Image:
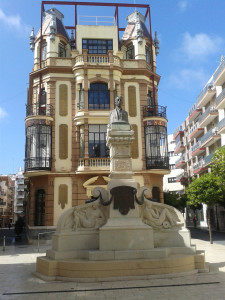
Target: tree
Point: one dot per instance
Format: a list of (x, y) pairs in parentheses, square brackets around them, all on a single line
[(175, 200), (218, 165), (207, 190)]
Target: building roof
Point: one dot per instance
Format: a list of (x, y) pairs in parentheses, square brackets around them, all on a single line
[(53, 16)]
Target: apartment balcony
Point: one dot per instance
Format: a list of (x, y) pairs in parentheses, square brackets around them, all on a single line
[(34, 110), (154, 111), (220, 100), (211, 137), (101, 164), (38, 163), (208, 116), (194, 112), (179, 130), (219, 75), (199, 167), (2, 203), (180, 163), (208, 159), (196, 149), (179, 148), (195, 131), (206, 95), (182, 178), (221, 126)]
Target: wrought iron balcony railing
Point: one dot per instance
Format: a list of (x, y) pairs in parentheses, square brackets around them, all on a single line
[(37, 110), (154, 111), (38, 163), (157, 162)]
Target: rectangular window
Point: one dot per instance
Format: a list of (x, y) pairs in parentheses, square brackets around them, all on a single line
[(97, 141), (62, 50), (44, 51), (148, 54), (171, 179), (130, 52), (95, 46)]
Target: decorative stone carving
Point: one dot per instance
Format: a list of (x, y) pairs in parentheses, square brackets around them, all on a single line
[(161, 216), (122, 165), (91, 217)]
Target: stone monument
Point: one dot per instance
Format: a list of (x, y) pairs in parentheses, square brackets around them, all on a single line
[(119, 231)]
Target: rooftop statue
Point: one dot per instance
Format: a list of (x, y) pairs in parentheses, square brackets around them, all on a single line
[(118, 115)]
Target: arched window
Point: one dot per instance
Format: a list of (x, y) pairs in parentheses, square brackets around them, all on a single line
[(40, 208), (98, 96)]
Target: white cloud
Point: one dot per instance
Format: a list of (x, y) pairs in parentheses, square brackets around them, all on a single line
[(199, 46), (2, 113), (187, 78), (13, 22), (182, 5)]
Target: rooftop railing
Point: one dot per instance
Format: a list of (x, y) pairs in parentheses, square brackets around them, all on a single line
[(219, 70)]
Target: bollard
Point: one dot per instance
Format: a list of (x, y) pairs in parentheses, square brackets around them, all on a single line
[(4, 243)]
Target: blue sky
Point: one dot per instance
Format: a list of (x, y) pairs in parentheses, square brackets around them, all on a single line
[(192, 40)]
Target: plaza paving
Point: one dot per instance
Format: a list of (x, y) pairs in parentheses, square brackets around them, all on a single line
[(17, 265)]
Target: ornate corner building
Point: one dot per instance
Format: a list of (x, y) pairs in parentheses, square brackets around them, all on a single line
[(78, 71)]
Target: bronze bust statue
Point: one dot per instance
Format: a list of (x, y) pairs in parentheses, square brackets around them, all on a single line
[(118, 115)]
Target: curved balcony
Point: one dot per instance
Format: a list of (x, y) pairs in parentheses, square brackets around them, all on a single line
[(154, 111), (37, 163), (36, 110), (157, 162)]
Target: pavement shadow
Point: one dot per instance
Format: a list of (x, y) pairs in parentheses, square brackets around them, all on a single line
[(202, 234)]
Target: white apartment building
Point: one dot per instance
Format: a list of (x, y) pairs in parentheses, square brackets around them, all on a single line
[(19, 194), (171, 182), (201, 133)]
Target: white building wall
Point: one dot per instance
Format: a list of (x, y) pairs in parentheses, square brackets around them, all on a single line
[(169, 181)]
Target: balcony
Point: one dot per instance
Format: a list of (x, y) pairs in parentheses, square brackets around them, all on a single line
[(38, 163), (154, 111), (199, 168), (157, 162), (221, 126), (194, 112), (182, 178), (179, 148), (206, 95), (180, 162), (219, 75), (94, 164), (208, 159), (220, 100), (97, 59), (208, 116), (179, 130), (210, 137), (195, 131), (196, 149), (36, 110)]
